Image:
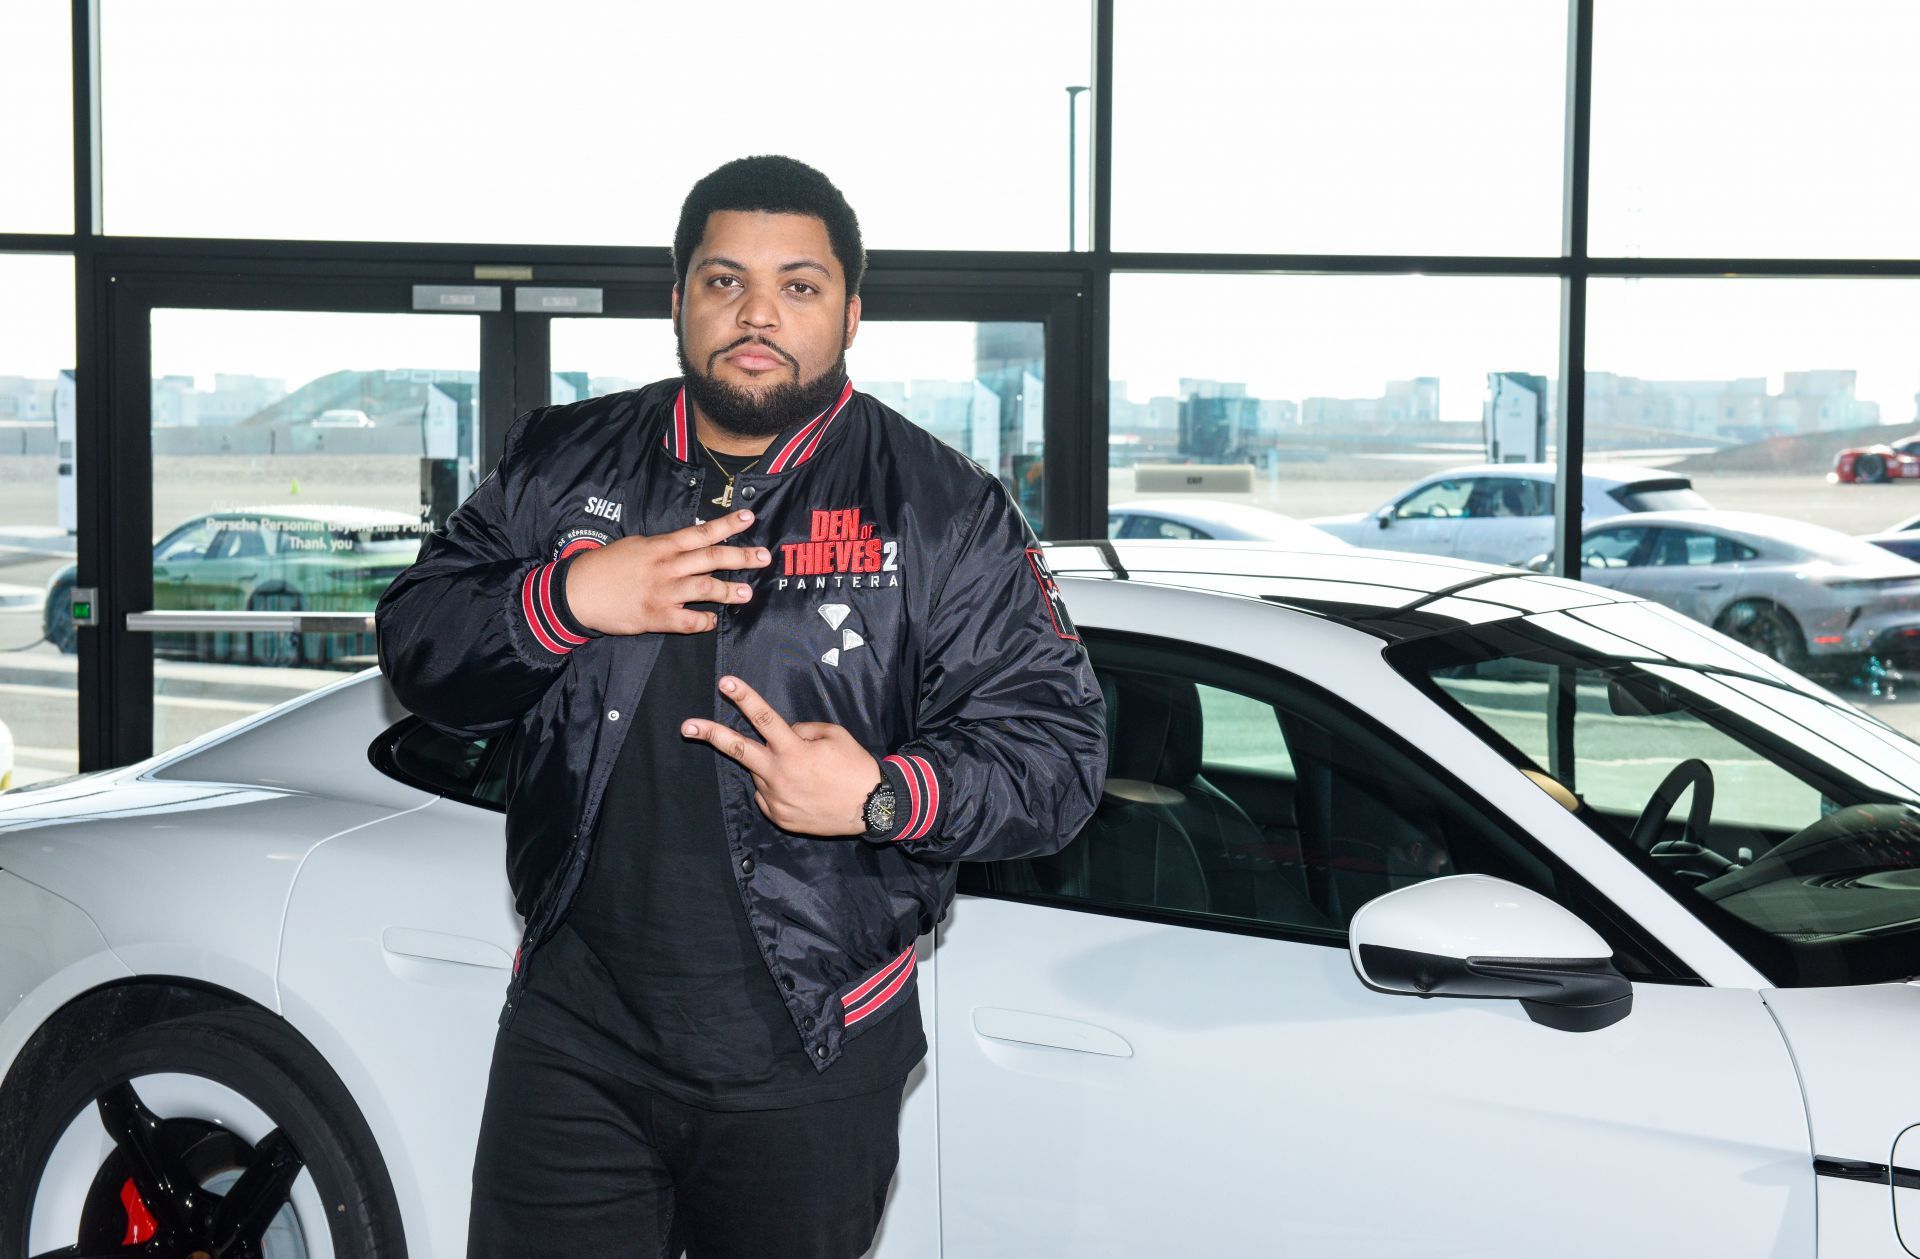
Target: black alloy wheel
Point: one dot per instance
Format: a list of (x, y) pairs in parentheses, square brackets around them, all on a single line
[(1870, 469), (1767, 629), (215, 1136)]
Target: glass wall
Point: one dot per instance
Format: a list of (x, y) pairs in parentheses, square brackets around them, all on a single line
[(1362, 405), (39, 732), (36, 116), (297, 456), (1339, 126), (366, 120), (1736, 129)]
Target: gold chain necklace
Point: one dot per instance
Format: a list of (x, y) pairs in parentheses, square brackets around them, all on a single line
[(726, 495)]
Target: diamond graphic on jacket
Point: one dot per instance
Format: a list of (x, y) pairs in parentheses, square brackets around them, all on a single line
[(850, 640), (834, 613), (832, 657)]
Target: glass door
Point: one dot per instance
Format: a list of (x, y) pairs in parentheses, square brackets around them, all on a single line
[(280, 461)]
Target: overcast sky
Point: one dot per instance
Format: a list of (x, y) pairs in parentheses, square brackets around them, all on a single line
[(1722, 128)]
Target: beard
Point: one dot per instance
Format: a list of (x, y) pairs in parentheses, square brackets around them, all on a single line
[(771, 411)]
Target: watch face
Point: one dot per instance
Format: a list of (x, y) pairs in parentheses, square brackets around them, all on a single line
[(880, 812)]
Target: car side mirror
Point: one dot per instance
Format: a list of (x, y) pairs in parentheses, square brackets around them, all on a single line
[(1384, 516), (1475, 936)]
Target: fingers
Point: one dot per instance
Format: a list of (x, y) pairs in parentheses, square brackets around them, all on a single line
[(771, 725), (710, 590), (731, 743), (723, 559), (710, 532), (688, 621)]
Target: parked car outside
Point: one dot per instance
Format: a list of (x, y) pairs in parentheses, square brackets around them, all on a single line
[(1178, 519), (1801, 594), (1502, 513), (6, 757), (1389, 861), (1878, 464), (281, 558), (1905, 544)]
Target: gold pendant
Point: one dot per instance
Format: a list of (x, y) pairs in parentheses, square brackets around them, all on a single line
[(726, 497)]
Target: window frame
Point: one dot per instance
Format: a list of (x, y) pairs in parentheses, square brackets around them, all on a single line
[(1248, 676)]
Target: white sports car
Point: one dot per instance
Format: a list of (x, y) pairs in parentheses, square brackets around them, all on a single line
[(1431, 909)]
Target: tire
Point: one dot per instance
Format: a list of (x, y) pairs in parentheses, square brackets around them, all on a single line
[(1870, 469), (1767, 629), (276, 650), (229, 1099), (56, 619)]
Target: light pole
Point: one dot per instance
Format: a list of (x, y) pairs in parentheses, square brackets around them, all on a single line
[(1073, 166)]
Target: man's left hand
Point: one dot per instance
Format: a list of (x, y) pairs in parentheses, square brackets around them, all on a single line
[(811, 778)]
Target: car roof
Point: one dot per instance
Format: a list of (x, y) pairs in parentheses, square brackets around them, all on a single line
[(1609, 474), (1388, 593), (1750, 525), (341, 514)]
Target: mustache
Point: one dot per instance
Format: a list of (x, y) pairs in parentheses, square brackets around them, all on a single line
[(792, 362)]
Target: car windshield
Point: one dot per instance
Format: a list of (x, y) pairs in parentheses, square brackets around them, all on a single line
[(1784, 818), (1677, 494)]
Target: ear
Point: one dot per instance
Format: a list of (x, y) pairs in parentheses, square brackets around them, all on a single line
[(853, 322), (676, 306)]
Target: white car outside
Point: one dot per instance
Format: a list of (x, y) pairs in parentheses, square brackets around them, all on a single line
[(1340, 783), (1502, 513), (1201, 519), (1797, 592)]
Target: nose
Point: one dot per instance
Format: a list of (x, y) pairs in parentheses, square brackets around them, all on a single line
[(759, 311)]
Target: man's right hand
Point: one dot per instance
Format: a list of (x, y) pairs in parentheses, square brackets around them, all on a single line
[(642, 585)]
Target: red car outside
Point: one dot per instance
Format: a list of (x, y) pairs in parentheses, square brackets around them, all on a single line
[(1869, 465)]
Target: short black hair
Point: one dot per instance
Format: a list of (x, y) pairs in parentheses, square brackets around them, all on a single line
[(772, 185)]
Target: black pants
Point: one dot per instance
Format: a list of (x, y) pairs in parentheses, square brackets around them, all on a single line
[(573, 1161)]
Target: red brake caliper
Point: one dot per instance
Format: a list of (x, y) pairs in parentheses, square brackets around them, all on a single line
[(140, 1222)]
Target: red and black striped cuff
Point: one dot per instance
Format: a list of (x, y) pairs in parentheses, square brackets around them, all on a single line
[(543, 601), (916, 795), (873, 992)]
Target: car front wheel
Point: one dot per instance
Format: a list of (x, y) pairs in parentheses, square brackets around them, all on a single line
[(220, 1134)]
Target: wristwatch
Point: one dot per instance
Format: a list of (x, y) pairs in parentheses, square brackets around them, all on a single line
[(878, 811)]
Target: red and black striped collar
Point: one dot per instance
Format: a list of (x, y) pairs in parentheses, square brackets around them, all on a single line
[(788, 451)]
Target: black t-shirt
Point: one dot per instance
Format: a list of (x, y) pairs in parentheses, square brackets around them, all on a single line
[(654, 974)]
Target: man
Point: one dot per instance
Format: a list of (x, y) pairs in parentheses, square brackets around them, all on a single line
[(774, 659)]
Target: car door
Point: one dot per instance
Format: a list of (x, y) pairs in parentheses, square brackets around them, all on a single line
[(1154, 1043), (1608, 555), (398, 946), (1506, 520), (1426, 519), (1691, 571)]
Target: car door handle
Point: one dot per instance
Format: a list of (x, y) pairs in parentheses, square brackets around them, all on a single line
[(1706, 585), (439, 946), (1044, 1029)]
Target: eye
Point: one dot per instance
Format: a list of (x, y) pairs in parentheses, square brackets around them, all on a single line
[(801, 286), (722, 281)]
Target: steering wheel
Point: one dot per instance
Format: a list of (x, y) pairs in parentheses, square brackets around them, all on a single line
[(1692, 772)]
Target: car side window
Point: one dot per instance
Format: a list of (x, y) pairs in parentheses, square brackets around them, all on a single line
[(420, 755), (1245, 796), (1443, 500), (1612, 548), (189, 543), (1677, 547), (1508, 496), (237, 543), (1159, 527)]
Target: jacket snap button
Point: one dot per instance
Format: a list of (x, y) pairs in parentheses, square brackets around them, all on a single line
[(788, 981), (747, 492), (806, 1024), (746, 865), (819, 1051), (613, 714)]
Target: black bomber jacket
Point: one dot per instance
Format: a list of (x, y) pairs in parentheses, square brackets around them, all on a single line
[(907, 601)]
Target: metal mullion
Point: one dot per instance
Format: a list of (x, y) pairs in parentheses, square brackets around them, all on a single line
[(1096, 328), (1569, 483), (36, 243), (1333, 264)]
